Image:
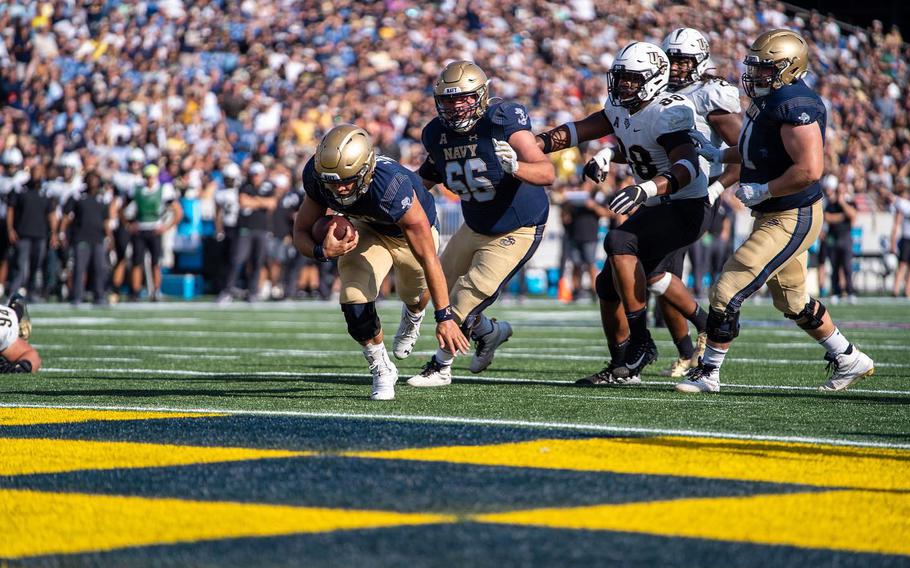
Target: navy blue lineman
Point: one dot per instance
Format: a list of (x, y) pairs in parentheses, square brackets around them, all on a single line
[(781, 150), (484, 152), (394, 220)]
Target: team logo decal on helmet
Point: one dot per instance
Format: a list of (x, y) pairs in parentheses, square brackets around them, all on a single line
[(639, 73)]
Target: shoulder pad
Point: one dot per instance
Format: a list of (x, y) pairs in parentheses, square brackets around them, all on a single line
[(800, 107), (676, 117), (720, 95), (507, 113)]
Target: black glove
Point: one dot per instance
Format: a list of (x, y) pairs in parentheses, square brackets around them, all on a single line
[(21, 366), (627, 199)]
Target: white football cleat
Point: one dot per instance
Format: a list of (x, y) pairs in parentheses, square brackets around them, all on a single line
[(679, 368), (847, 368), (433, 374), (385, 375), (703, 378), (486, 345), (408, 332)]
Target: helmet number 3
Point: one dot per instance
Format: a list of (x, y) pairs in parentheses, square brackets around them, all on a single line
[(464, 180)]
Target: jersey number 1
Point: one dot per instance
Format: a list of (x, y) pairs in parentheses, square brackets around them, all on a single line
[(463, 180)]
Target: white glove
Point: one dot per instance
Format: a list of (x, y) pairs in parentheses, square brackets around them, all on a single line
[(705, 148), (752, 194), (506, 155), (714, 191), (598, 167)]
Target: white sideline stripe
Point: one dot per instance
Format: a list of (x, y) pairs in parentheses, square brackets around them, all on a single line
[(119, 359), (512, 354), (471, 378), (482, 422), (184, 356)]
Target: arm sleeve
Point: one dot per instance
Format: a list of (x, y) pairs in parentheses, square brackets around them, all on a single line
[(511, 117)]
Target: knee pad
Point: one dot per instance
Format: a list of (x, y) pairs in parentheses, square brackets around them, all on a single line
[(620, 242), (604, 287), (659, 286), (811, 316), (723, 327), (362, 319)]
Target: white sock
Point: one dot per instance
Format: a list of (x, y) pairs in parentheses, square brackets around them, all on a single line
[(443, 357), (714, 356), (375, 352), (835, 343), (414, 317), (483, 327)]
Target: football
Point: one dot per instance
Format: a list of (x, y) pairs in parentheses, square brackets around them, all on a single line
[(321, 227)]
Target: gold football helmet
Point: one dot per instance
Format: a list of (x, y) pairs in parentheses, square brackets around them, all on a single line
[(775, 59), (462, 95), (345, 160)]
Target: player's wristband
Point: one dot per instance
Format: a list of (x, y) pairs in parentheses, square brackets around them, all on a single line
[(319, 254), (445, 314), (649, 187), (673, 182)]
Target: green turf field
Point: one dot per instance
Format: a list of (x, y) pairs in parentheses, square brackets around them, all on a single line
[(186, 434)]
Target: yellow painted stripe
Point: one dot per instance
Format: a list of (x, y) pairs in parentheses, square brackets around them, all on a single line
[(22, 456), (858, 521), (31, 416), (823, 466), (35, 523)]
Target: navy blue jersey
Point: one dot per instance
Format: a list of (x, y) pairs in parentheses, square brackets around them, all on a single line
[(493, 201), (388, 198), (763, 151)]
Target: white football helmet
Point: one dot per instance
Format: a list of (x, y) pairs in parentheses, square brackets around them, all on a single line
[(646, 70), (688, 43)]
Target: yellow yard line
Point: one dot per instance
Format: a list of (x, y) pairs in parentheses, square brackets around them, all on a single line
[(29, 416), (857, 521), (23, 456), (38, 523), (818, 465)]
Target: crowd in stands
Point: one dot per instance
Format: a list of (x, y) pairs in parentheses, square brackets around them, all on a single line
[(103, 89)]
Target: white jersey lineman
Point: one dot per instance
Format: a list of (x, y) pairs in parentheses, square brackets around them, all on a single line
[(9, 327), (638, 136), (711, 95)]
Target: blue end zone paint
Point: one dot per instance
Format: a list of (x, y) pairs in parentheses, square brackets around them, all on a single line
[(404, 486), (472, 545), (283, 432)]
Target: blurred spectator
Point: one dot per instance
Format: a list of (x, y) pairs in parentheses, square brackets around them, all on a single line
[(900, 243), (87, 214), (840, 213), (193, 86), (257, 199), (30, 220)]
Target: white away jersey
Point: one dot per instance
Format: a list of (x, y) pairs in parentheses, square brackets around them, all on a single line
[(709, 96), (638, 133), (9, 327)]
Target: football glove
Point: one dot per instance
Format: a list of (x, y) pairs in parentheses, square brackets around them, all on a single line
[(21, 366), (705, 148), (506, 155), (714, 191), (751, 194), (598, 167), (627, 199)]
